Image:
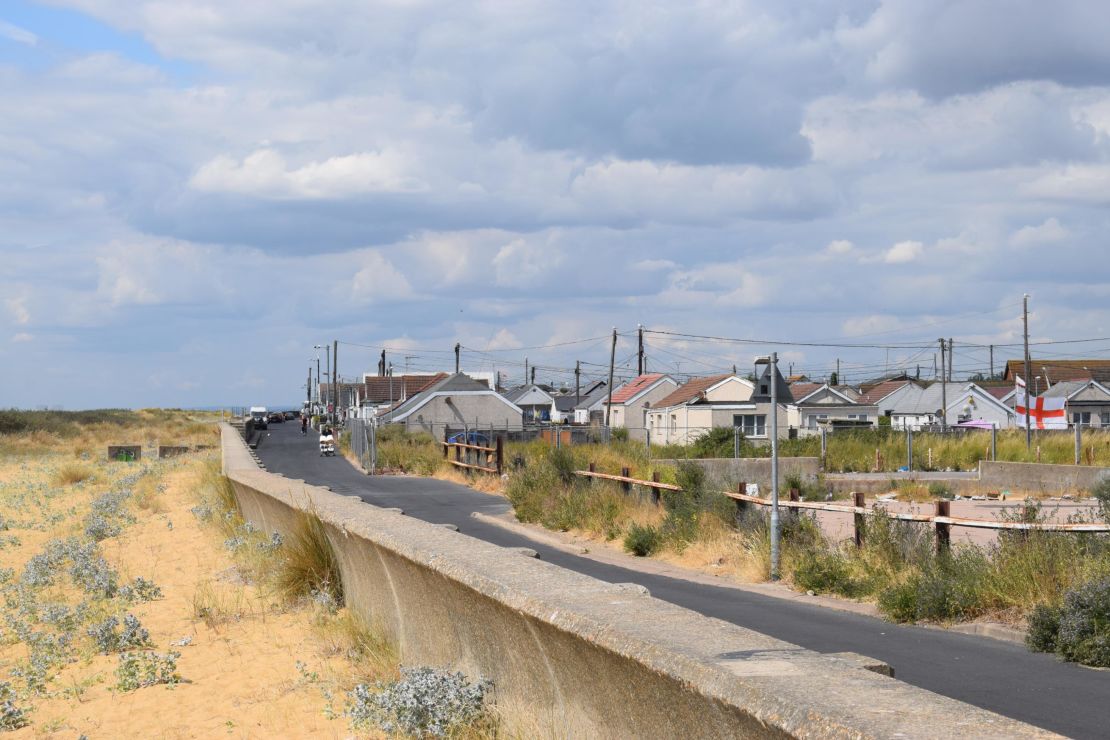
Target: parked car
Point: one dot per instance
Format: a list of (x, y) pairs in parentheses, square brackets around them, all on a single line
[(290, 415), (469, 438), (259, 416), (277, 418)]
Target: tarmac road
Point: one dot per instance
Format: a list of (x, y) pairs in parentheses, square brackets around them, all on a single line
[(1003, 677)]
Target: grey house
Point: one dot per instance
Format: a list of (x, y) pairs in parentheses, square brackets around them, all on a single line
[(455, 403), (534, 400)]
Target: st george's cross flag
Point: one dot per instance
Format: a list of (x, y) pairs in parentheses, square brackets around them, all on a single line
[(1044, 413)]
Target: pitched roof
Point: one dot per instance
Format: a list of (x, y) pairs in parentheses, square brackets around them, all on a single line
[(801, 390), (382, 389), (689, 391), (630, 389), (1060, 370), (457, 383), (876, 393)]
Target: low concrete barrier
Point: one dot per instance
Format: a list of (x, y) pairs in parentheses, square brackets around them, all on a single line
[(755, 469), (577, 657), (165, 451), (1039, 477)]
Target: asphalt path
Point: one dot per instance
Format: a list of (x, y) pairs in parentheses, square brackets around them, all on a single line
[(1000, 676)]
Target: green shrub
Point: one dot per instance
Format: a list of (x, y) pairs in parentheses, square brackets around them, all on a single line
[(1044, 625), (619, 434), (827, 572), (642, 540), (717, 442), (940, 490), (946, 589), (1084, 633), (1101, 492)]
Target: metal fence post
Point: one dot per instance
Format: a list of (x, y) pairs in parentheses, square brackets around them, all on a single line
[(824, 445), (858, 521), (909, 449), (994, 443), (500, 455), (1078, 441), (625, 485), (654, 490), (736, 443), (944, 534)]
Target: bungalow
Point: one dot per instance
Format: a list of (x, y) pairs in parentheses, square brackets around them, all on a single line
[(730, 401), (915, 407), (591, 409), (571, 408), (454, 403), (535, 400), (632, 400), (823, 406), (1087, 402)]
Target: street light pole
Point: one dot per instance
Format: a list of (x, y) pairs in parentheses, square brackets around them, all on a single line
[(1025, 322), (775, 522)]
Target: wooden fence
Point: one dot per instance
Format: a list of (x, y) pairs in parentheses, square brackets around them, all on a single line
[(493, 457), (941, 519)]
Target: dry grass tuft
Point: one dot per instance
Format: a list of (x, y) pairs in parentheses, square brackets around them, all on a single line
[(309, 565), (73, 473)]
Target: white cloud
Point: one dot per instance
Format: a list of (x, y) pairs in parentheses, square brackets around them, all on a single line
[(522, 263), (903, 252), (378, 280), (17, 307), (22, 337), (265, 173), (17, 34), (654, 265), (840, 247), (1048, 232)]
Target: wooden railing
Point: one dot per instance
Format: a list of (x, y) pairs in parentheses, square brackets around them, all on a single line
[(941, 519), (494, 456)]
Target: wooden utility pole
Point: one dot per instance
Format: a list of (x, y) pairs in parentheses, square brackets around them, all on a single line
[(609, 390), (992, 362), (1025, 323), (943, 391), (640, 353), (951, 354), (525, 371), (577, 382), (335, 379), (458, 349)]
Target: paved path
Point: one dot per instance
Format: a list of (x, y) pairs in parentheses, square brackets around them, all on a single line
[(999, 676)]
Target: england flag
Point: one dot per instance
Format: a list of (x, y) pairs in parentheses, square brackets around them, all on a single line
[(1044, 413)]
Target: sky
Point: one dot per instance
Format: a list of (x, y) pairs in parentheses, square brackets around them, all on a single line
[(195, 193)]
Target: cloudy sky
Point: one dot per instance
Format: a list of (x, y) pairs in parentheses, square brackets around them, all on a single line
[(194, 192)]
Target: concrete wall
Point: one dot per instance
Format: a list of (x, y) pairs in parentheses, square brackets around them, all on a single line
[(1038, 477), (572, 656), (726, 470)]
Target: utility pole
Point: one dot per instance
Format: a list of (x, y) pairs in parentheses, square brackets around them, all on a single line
[(525, 371), (335, 379), (838, 371), (577, 382), (640, 353), (992, 362), (381, 365), (943, 391), (308, 386), (458, 349), (609, 389), (951, 353), (775, 523), (533, 375), (1025, 324)]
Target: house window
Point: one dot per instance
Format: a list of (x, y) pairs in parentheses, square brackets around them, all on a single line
[(1105, 418), (1082, 417), (674, 423), (752, 425), (816, 419)]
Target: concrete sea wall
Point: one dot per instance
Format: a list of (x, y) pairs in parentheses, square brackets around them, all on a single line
[(572, 656)]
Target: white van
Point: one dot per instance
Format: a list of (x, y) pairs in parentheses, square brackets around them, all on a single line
[(260, 416)]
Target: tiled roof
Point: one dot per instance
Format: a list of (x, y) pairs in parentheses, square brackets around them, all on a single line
[(1059, 370), (801, 390), (689, 391), (998, 391), (876, 393), (381, 389), (634, 386)]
